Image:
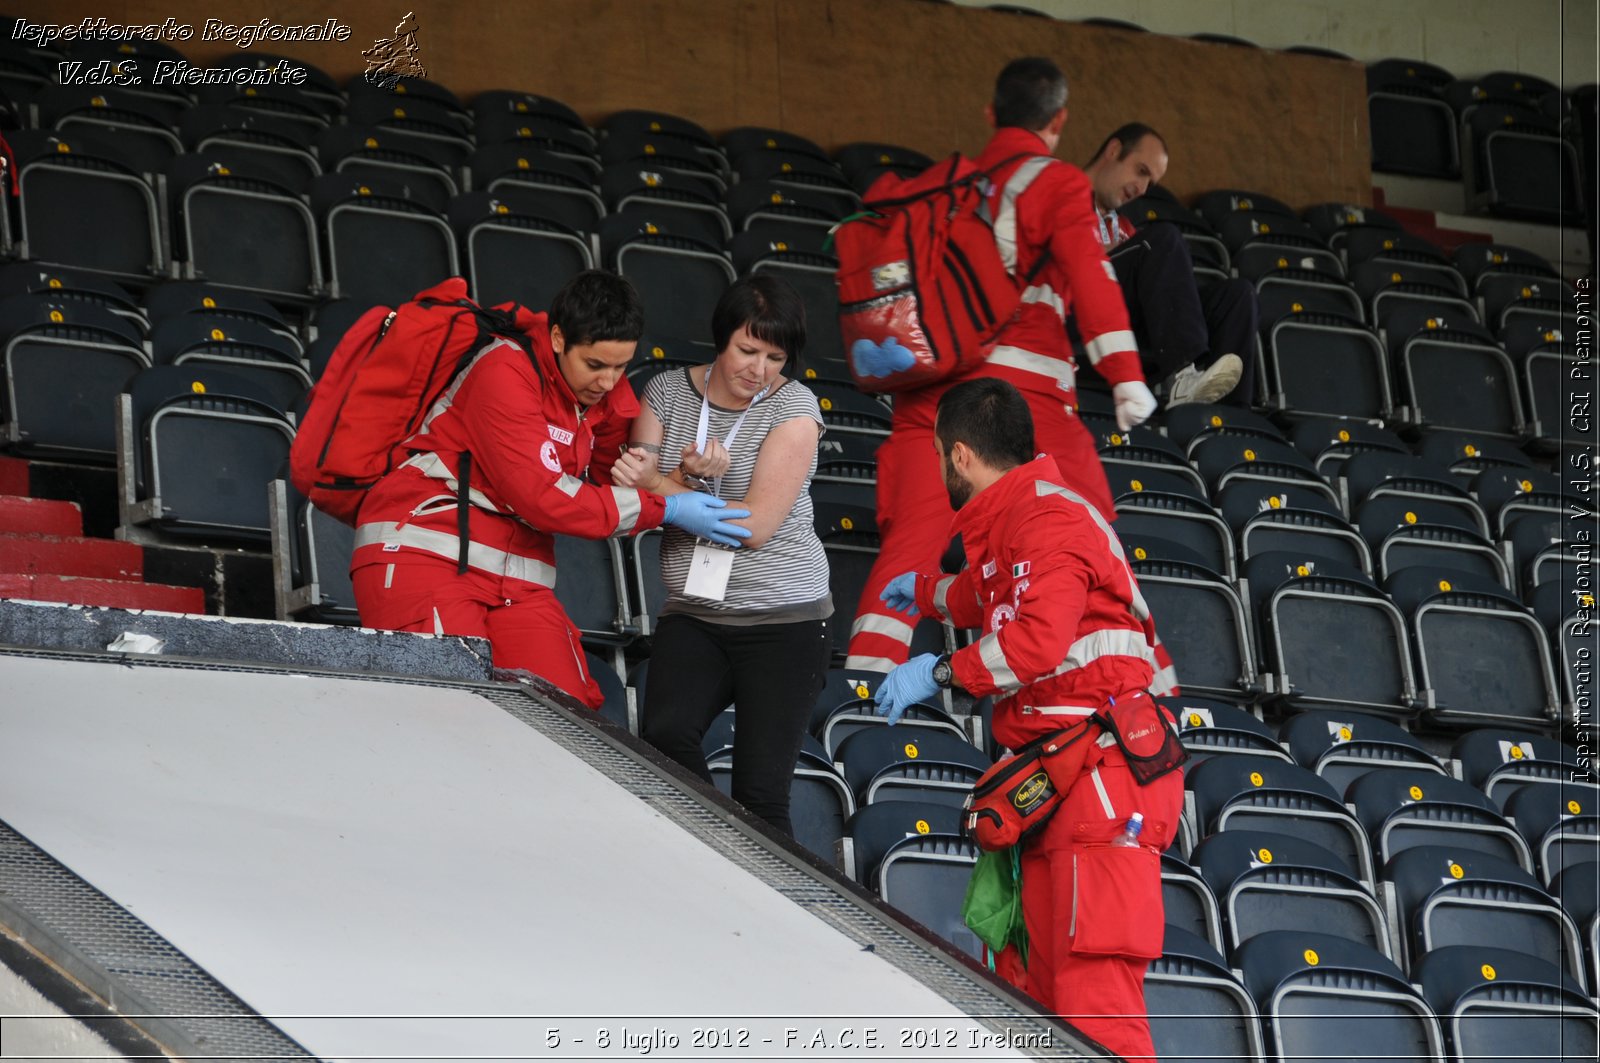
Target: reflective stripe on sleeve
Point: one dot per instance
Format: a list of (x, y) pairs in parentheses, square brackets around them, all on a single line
[(993, 656), (879, 624), (1005, 218), (628, 509), (941, 596), (433, 467), (1110, 343)]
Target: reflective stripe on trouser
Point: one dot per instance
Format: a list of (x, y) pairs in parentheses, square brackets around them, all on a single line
[(526, 626)]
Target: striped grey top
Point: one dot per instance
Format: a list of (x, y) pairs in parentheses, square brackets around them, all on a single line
[(784, 581)]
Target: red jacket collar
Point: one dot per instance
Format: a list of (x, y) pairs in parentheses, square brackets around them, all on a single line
[(619, 402), (1008, 141), (1005, 495)]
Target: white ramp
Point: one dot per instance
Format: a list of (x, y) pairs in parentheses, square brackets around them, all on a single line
[(386, 870)]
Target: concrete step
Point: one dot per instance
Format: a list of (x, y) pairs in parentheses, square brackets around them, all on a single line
[(40, 516), (61, 555), (112, 593), (13, 476)]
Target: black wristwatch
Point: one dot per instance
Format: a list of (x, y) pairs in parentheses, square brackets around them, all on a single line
[(941, 671)]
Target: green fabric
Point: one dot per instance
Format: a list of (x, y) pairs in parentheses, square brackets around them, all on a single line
[(993, 904)]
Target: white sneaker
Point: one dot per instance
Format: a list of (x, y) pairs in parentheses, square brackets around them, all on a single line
[(1191, 385)]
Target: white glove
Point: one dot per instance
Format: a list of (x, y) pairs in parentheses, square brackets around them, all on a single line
[(1134, 403)]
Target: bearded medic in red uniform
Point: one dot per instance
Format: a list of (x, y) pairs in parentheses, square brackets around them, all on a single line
[(1042, 208), (1065, 633), (535, 432)]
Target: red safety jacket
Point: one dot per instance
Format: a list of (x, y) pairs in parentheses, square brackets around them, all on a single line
[(531, 445), (1064, 625), (1042, 205)]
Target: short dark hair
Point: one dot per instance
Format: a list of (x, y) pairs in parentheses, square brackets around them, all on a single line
[(1028, 93), (597, 306), (770, 308), (1128, 138), (991, 417)]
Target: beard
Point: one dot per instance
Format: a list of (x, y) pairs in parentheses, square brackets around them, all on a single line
[(956, 486)]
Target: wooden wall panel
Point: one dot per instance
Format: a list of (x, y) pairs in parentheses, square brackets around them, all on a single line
[(843, 70)]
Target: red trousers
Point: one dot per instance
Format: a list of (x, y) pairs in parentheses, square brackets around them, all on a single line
[(526, 626), (1094, 911), (914, 513)]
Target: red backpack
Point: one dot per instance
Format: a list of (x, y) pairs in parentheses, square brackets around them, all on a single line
[(383, 377), (923, 292)]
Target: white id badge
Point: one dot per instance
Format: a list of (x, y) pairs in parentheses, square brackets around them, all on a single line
[(709, 570)]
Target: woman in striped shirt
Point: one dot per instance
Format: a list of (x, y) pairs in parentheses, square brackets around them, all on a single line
[(746, 626)]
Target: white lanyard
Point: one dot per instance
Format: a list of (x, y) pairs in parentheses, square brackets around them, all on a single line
[(1106, 231), (704, 427)]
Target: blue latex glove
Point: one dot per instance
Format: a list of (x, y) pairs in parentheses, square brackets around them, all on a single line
[(901, 594), (905, 686), (698, 514), (880, 360)]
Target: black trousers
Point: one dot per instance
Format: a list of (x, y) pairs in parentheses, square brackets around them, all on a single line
[(1178, 322), (771, 673)]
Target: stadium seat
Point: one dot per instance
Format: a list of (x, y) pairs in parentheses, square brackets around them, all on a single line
[(1188, 424), (561, 187), (1413, 129), (679, 278), (845, 458), (1210, 727), (243, 231), (850, 717), (1290, 516), (368, 151), (820, 803), (1283, 288), (197, 448), (913, 855), (1570, 627), (772, 210), (1334, 222), (280, 149), (1376, 474), (515, 102), (302, 104), (1496, 1004), (846, 410), (318, 90), (1561, 825), (1265, 464), (360, 215), (245, 347), (512, 252), (1456, 376), (1543, 545), (1546, 361), (1317, 991), (176, 298), (1402, 532), (1479, 261), (65, 360), (1267, 881), (797, 169), (430, 128), (676, 202), (1454, 616), (891, 764), (310, 560), (1187, 901), (798, 256), (1500, 761), (1447, 895), (1419, 260), (1329, 442), (1151, 501), (1578, 887), (1519, 166), (143, 126), (1198, 1009), (1324, 364), (1153, 206), (1506, 492), (83, 203), (1254, 792), (1506, 298), (864, 162), (1329, 636), (589, 586), (1466, 454), (1403, 807), (1142, 447), (41, 278), (1341, 746), (1203, 625)]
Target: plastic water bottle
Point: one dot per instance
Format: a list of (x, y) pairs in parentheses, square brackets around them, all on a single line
[(1130, 834)]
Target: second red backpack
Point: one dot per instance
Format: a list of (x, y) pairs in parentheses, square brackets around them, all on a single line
[(383, 377), (923, 292)]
